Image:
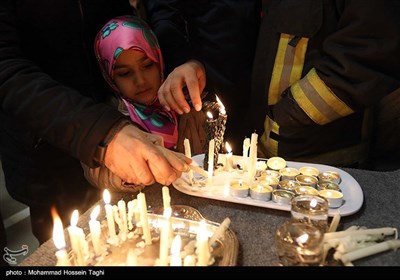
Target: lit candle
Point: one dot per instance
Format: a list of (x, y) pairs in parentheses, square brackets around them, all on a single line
[(143, 218), (188, 153), (238, 188), (203, 250), (175, 258), (166, 197), (189, 260), (164, 238), (246, 146), (95, 230), (228, 162), (78, 241), (210, 160), (252, 158), (110, 217), (59, 241)]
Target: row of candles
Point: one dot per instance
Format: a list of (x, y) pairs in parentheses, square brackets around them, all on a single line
[(170, 245)]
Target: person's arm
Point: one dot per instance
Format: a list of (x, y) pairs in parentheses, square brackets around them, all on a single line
[(361, 65), (65, 119)]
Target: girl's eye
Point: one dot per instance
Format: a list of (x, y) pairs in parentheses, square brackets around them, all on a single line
[(148, 64), (123, 73)]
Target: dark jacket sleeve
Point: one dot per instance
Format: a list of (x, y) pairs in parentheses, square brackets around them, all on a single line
[(50, 111), (359, 66)]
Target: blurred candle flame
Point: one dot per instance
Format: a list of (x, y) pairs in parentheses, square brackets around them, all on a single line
[(58, 230), (221, 106), (209, 115), (106, 196), (74, 218), (313, 203), (95, 213)]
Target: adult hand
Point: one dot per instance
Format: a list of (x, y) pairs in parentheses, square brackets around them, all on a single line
[(190, 74), (134, 157)]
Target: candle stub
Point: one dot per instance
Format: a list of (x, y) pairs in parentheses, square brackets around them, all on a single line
[(239, 188)]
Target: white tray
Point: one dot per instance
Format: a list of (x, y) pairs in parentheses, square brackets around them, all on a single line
[(352, 192)]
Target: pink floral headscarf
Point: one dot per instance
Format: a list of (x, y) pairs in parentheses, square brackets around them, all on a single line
[(130, 32)]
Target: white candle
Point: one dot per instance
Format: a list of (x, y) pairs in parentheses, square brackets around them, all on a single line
[(335, 222), (188, 153), (59, 241), (203, 250), (360, 233), (95, 231), (110, 217), (219, 233), (246, 146), (166, 197), (210, 160), (276, 163), (123, 218), (131, 259), (164, 238), (228, 162), (78, 241), (253, 157), (370, 250), (175, 258), (143, 218), (130, 214)]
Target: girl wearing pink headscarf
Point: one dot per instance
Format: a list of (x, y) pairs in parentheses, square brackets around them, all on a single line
[(131, 62)]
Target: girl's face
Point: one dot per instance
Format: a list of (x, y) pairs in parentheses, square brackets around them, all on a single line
[(137, 77)]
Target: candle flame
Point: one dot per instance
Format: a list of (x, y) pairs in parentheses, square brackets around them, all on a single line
[(106, 196), (74, 218), (58, 230), (176, 246), (228, 147), (95, 213), (221, 106), (302, 239), (313, 203), (209, 115)]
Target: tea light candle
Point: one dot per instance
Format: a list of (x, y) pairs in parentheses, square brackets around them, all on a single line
[(261, 166), (59, 241), (327, 185), (272, 173), (246, 146), (300, 190), (261, 192), (331, 176), (335, 198), (307, 180), (282, 196), (289, 173), (276, 163), (309, 170), (269, 181), (110, 217), (289, 185), (175, 258), (238, 188), (95, 230), (310, 209)]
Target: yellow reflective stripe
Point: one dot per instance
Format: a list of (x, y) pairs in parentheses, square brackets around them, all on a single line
[(317, 100), (269, 146), (288, 66), (274, 86), (298, 60)]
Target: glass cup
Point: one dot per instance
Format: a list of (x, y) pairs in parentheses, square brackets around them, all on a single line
[(299, 244), (311, 209)]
